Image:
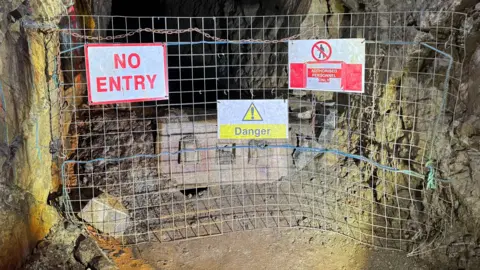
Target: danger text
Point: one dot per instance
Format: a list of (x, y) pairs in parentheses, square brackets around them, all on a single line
[(252, 132)]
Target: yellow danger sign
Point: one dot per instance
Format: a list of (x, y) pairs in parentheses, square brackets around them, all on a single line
[(252, 114), (252, 119)]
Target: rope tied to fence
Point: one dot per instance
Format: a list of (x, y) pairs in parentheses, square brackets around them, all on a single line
[(430, 175), (431, 181)]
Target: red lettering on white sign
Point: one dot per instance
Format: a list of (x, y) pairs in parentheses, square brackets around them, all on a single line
[(119, 73), (327, 65), (101, 84), (120, 61), (151, 80), (119, 83)]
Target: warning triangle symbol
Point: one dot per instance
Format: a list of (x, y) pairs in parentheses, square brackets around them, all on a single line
[(252, 114)]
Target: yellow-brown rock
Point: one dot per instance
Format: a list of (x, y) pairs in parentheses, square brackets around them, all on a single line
[(30, 125)]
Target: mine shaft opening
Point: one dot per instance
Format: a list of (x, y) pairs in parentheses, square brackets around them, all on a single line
[(200, 72)]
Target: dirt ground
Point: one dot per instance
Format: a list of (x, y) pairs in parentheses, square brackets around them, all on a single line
[(273, 249)]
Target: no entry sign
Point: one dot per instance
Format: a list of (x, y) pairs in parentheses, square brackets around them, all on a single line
[(327, 65), (121, 73)]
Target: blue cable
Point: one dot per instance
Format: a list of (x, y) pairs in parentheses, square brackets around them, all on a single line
[(284, 146)]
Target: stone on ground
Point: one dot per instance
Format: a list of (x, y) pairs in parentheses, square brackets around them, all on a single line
[(107, 214)]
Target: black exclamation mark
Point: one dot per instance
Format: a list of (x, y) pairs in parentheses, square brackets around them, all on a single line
[(252, 110)]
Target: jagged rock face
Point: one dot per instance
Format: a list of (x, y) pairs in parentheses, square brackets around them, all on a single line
[(456, 151), (66, 248), (110, 136), (26, 175)]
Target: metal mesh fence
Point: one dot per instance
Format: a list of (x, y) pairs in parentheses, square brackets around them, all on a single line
[(355, 164)]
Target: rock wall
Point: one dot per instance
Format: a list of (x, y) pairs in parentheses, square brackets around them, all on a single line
[(28, 122), (456, 145), (463, 242)]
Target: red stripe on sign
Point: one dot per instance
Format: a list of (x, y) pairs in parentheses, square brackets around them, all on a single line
[(352, 78), (298, 78)]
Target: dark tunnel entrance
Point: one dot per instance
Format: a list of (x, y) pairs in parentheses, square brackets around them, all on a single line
[(192, 72), (199, 72)]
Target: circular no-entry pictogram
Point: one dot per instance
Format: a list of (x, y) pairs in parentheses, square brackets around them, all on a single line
[(321, 51)]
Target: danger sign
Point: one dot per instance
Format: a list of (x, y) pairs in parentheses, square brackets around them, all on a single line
[(257, 119), (122, 73), (252, 114), (327, 65)]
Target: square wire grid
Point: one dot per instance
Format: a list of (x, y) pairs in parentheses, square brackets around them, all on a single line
[(117, 153)]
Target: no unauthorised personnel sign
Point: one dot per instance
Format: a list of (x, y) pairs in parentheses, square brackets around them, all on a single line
[(122, 73), (252, 119), (327, 65)]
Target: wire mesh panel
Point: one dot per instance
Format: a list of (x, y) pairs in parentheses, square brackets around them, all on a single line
[(355, 164)]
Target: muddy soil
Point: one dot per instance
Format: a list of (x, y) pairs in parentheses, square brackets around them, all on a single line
[(274, 249)]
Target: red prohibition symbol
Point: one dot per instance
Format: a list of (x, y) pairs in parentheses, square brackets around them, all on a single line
[(321, 51)]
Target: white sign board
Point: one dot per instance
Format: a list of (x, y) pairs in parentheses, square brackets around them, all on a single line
[(327, 65), (252, 119), (122, 73)]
